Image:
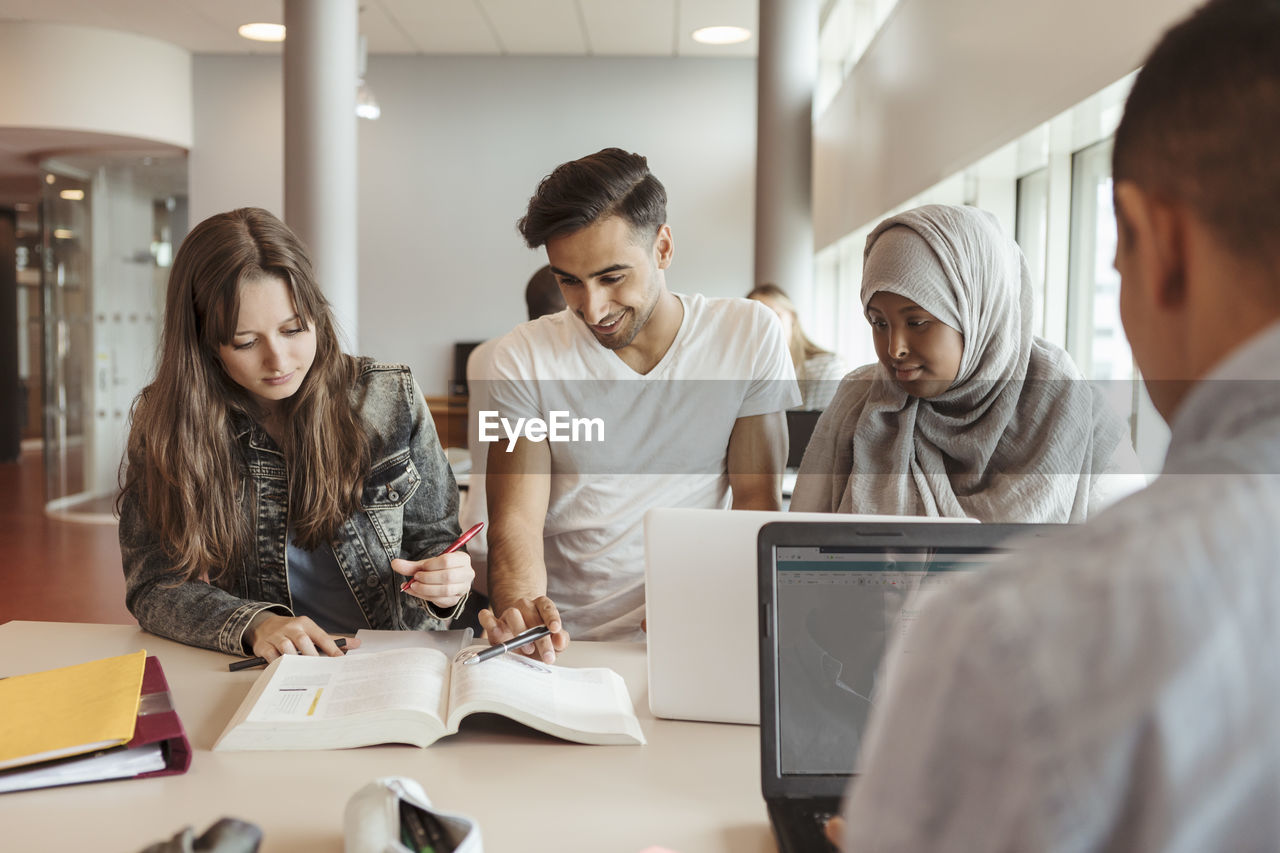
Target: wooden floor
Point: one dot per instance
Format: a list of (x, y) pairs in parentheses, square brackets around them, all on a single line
[(51, 569)]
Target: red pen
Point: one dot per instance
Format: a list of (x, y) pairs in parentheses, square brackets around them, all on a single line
[(457, 543)]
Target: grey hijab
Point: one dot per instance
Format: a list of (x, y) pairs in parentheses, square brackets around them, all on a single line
[(1019, 436)]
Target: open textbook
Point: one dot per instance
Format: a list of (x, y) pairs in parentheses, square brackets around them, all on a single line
[(418, 695)]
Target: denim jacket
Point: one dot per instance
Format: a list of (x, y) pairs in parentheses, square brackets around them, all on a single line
[(410, 510)]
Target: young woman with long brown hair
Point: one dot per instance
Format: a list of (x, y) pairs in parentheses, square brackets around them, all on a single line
[(277, 490)]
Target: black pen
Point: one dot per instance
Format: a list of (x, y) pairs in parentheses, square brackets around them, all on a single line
[(514, 643), (250, 663)]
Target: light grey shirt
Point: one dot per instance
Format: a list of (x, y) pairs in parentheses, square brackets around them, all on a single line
[(822, 375), (1117, 689)]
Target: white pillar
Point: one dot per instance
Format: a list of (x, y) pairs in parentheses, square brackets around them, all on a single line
[(320, 145), (786, 71)]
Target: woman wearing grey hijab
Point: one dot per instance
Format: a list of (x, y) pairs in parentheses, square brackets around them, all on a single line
[(967, 413)]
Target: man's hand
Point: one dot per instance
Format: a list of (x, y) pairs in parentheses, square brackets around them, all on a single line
[(526, 613), (835, 831)]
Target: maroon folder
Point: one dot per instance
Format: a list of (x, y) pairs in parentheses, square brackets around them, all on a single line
[(157, 723)]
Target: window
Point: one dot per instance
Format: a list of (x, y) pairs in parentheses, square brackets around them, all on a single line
[(1094, 334), (1031, 231), (845, 30), (838, 320)]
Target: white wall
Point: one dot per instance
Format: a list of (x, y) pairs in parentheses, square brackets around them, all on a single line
[(460, 147), (946, 82), (236, 159)]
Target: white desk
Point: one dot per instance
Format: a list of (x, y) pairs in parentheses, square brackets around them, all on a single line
[(694, 787)]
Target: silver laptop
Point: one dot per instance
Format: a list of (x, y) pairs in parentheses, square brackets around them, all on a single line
[(832, 597), (700, 607)]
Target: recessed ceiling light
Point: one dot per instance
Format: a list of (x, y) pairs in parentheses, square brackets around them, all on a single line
[(63, 233), (721, 35), (262, 32), (72, 195)]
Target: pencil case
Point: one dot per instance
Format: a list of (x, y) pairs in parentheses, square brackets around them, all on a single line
[(394, 815)]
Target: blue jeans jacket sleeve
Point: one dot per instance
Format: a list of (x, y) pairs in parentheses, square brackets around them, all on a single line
[(194, 612)]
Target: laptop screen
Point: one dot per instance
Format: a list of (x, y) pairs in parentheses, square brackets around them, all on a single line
[(834, 598), (837, 609)]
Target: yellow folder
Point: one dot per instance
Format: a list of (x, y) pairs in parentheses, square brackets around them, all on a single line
[(69, 711)]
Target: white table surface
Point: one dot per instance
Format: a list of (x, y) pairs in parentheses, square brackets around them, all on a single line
[(694, 787)]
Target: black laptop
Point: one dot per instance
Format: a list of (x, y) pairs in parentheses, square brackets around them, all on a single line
[(832, 597)]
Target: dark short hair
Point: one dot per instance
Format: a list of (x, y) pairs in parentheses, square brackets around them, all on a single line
[(576, 194), (542, 294), (1202, 123)]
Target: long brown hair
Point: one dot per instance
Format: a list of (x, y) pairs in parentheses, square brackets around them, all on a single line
[(183, 464), (802, 349)]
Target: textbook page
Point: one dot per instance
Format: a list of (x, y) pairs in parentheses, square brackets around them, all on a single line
[(582, 705), (306, 702), (448, 642)]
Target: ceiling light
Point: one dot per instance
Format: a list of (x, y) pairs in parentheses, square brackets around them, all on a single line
[(721, 35), (366, 104), (262, 32), (72, 195), (63, 233)]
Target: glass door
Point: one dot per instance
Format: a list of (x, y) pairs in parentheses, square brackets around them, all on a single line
[(110, 224), (66, 307)]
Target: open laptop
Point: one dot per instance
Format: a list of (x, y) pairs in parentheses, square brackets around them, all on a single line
[(700, 607), (832, 596)]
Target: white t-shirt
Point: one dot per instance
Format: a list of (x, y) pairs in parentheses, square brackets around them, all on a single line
[(643, 441)]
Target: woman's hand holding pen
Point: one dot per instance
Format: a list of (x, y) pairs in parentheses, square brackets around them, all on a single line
[(272, 635), (442, 579), (522, 614)]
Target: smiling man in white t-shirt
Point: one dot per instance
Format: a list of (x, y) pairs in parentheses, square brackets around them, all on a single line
[(635, 397)]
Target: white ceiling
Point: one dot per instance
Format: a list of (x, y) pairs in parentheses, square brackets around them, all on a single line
[(476, 27), (486, 27)]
